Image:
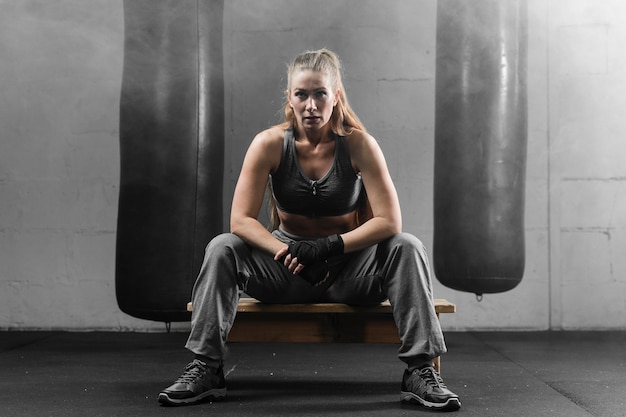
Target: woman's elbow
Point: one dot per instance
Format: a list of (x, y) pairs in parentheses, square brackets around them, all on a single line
[(395, 225), (395, 228), (237, 224), (390, 226)]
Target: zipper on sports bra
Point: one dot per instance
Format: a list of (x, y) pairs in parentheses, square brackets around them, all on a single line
[(314, 187)]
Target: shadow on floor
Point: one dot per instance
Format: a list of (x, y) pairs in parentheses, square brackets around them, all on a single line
[(500, 374)]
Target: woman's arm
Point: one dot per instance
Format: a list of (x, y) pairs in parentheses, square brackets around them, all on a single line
[(262, 157), (368, 159)]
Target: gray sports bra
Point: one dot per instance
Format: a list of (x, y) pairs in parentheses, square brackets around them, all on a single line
[(338, 192)]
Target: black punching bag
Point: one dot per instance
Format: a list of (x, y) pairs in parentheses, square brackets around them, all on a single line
[(172, 153), (480, 144)]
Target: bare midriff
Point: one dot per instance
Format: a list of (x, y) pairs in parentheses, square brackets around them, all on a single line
[(304, 226)]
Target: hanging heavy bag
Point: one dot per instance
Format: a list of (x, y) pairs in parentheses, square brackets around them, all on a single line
[(171, 146), (480, 144)]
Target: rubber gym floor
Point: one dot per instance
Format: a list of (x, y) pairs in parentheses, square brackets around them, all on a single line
[(506, 374)]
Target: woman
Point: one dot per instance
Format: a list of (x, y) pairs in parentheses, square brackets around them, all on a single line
[(334, 242)]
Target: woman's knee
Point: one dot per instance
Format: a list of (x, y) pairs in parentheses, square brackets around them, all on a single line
[(221, 259), (411, 258), (222, 243), (406, 240)]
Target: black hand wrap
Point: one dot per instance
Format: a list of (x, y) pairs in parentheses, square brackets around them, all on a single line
[(309, 252), (315, 274)]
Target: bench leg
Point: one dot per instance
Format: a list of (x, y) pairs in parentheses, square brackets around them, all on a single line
[(437, 360)]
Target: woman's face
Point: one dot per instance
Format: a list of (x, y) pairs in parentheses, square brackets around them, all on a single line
[(312, 99)]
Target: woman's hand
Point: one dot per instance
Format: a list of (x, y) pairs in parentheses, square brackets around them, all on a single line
[(310, 252), (315, 274), (291, 262)]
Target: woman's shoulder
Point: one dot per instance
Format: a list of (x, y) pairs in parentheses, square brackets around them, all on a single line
[(271, 136), (268, 139), (358, 139), (266, 147), (364, 149)]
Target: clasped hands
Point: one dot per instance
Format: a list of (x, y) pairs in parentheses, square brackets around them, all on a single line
[(307, 258)]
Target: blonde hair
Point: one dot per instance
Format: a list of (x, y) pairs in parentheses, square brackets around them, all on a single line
[(342, 121)]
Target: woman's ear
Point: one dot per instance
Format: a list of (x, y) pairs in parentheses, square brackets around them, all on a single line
[(288, 98), (337, 95)]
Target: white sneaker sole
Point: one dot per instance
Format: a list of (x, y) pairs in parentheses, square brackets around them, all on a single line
[(452, 404), (216, 394)]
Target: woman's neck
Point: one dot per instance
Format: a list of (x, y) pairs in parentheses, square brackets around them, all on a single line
[(314, 136)]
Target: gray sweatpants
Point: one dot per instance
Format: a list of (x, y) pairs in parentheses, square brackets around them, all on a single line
[(396, 269)]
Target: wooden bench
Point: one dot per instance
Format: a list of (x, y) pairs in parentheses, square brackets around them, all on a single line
[(324, 322)]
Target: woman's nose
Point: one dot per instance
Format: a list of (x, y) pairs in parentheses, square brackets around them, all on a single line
[(310, 106)]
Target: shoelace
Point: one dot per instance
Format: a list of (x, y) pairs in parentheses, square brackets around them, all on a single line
[(193, 372), (431, 377)]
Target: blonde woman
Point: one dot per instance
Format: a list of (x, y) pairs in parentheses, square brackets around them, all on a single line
[(337, 238)]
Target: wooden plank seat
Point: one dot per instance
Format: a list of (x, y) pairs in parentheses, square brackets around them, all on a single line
[(323, 322)]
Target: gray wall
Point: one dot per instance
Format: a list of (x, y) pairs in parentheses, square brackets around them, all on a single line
[(60, 74)]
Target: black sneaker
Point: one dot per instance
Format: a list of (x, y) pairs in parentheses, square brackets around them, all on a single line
[(425, 386), (197, 383)]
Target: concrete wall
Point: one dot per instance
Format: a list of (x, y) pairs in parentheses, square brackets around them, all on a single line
[(587, 175), (60, 74)]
